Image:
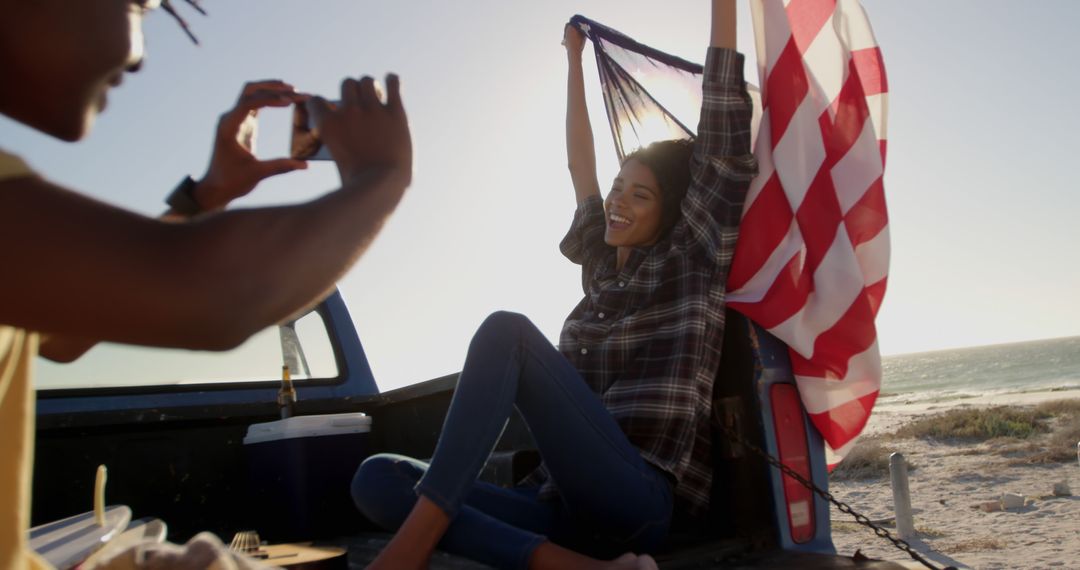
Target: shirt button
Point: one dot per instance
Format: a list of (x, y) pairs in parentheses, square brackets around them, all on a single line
[(622, 283), (584, 351), (601, 315)]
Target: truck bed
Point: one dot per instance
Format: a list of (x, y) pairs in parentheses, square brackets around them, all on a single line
[(727, 554), (176, 453)]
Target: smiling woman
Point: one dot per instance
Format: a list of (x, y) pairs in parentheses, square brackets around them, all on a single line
[(634, 209), (631, 379), (647, 194)]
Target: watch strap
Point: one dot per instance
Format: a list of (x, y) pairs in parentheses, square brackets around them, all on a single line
[(182, 199)]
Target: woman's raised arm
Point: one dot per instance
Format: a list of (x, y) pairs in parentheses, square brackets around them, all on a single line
[(723, 24), (580, 152)]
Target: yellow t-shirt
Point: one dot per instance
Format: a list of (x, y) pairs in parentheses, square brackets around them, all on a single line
[(17, 351)]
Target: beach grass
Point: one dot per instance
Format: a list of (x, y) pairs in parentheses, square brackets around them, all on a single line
[(1038, 435), (972, 545), (869, 459), (974, 424), (1058, 447), (930, 532), (1025, 435), (1060, 407)]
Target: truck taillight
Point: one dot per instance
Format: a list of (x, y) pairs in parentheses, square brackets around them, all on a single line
[(792, 444)]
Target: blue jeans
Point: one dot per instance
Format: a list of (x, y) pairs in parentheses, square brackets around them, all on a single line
[(610, 499)]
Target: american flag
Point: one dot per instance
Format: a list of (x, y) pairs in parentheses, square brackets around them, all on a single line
[(812, 258)]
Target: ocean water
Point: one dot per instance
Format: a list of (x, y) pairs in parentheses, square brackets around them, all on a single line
[(1003, 368)]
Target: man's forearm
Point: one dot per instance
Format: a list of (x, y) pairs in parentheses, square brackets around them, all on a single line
[(207, 284), (257, 246), (69, 349)]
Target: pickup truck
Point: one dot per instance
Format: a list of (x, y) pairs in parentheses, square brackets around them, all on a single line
[(175, 449)]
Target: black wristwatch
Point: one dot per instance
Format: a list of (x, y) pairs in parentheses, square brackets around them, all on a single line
[(182, 200)]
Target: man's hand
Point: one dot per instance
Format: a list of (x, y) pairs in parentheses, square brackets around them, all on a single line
[(234, 171), (364, 134)]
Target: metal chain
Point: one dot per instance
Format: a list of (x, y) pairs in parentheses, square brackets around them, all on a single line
[(843, 507)]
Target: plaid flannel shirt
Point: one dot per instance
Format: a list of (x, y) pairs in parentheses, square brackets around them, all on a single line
[(647, 338)]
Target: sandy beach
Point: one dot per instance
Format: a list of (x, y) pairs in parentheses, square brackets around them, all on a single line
[(949, 485)]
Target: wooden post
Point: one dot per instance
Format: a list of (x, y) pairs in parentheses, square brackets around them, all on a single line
[(905, 525)]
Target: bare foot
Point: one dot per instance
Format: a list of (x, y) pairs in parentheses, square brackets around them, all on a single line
[(400, 557), (631, 561), (412, 545)]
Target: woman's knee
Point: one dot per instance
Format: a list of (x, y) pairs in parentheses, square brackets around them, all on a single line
[(505, 324), (382, 488), (500, 333)]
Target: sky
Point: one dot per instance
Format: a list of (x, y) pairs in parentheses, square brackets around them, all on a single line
[(979, 182)]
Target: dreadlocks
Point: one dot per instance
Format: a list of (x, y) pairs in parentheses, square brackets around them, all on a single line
[(167, 5)]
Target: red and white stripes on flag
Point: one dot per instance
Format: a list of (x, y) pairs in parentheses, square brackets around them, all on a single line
[(813, 252)]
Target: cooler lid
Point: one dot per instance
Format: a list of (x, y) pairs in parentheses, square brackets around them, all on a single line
[(308, 426)]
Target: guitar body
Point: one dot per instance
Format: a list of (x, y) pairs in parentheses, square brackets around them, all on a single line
[(305, 556)]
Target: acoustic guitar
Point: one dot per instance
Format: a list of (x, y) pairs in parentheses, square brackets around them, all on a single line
[(301, 556), (306, 557)]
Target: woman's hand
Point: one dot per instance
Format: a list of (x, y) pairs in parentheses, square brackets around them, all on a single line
[(234, 171), (723, 24), (573, 39), (364, 134)]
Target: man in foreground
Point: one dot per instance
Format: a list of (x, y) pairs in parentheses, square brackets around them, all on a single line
[(78, 271)]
